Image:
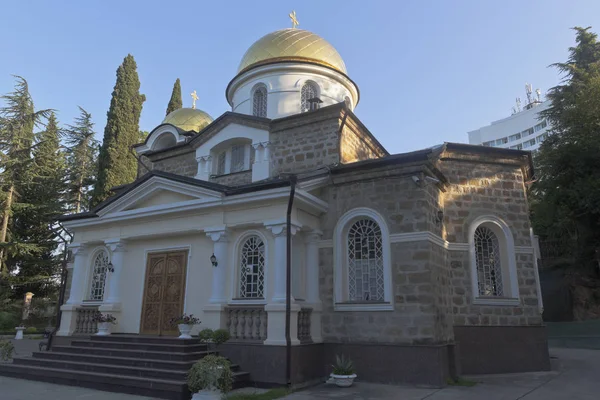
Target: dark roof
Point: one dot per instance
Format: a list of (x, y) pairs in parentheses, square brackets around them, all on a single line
[(419, 155)]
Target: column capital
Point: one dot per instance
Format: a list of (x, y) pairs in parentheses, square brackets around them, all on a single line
[(203, 158), (257, 145), (313, 236), (279, 228), (218, 233), (115, 245), (79, 248)]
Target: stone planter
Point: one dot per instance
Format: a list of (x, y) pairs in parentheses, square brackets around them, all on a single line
[(343, 380), (19, 334), (207, 395), (103, 329), (184, 330)]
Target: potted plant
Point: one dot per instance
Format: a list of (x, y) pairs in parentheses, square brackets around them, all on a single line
[(104, 322), (185, 323), (343, 372), (209, 378)]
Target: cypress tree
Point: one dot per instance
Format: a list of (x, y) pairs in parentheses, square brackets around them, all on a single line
[(17, 121), (33, 224), (82, 161), (116, 164), (175, 103)]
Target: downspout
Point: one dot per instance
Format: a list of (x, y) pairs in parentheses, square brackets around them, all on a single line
[(288, 283), (536, 256)]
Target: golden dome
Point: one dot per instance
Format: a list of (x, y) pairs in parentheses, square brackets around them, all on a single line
[(188, 119), (292, 44)]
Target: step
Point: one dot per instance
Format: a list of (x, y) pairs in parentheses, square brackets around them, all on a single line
[(151, 387), (123, 370), (117, 361), (171, 348), (155, 355), (142, 339)]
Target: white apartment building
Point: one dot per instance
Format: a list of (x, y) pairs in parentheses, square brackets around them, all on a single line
[(523, 130)]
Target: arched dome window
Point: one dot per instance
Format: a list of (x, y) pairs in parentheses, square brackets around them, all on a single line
[(310, 90), (259, 101)]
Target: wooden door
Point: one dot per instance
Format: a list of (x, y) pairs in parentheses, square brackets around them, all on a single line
[(164, 292)]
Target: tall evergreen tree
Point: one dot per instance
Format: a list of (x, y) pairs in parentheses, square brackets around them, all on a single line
[(17, 121), (81, 161), (175, 103), (34, 224), (566, 195), (116, 164)]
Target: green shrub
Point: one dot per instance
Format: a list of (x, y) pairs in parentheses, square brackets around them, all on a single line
[(210, 373), (220, 336), (31, 330), (6, 350), (8, 321), (343, 366), (205, 335)]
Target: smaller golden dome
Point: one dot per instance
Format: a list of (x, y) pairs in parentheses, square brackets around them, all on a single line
[(292, 45), (188, 119)]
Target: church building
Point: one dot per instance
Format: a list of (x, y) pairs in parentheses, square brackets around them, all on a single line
[(417, 266)]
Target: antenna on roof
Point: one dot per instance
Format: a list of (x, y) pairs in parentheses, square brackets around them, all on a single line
[(518, 104), (538, 93), (528, 91)]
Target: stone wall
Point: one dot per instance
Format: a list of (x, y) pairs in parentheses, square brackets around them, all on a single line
[(355, 145), (235, 179), (300, 143), (179, 161)]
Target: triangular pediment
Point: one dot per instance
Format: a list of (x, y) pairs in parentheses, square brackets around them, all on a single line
[(159, 194)]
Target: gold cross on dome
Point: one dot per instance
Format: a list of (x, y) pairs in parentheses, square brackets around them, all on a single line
[(295, 22), (194, 98)]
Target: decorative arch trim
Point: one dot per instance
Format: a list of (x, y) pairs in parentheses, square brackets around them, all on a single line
[(340, 266), (157, 133), (507, 258)]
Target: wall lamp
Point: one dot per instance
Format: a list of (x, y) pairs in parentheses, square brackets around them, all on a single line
[(213, 260), (110, 267), (440, 216)]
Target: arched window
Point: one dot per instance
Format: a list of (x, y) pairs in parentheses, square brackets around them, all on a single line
[(259, 101), (489, 264), (493, 262), (309, 91), (362, 262), (365, 262), (99, 267), (252, 268)]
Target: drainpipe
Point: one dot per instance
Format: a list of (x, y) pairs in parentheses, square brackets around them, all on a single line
[(536, 256), (288, 283)]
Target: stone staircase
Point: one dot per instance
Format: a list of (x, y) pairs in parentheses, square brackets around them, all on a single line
[(148, 366)]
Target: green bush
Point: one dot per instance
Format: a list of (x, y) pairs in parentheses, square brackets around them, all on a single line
[(220, 336), (31, 330), (6, 350), (210, 373), (8, 321), (205, 335)]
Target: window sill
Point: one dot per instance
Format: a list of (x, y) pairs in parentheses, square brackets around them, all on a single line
[(231, 173), (496, 301), (250, 301), (92, 303), (363, 307)]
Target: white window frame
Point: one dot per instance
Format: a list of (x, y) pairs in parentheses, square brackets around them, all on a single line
[(229, 160), (508, 261), (340, 257), (91, 267), (236, 299)]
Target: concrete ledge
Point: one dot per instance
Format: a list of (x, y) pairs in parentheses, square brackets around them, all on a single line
[(502, 349)]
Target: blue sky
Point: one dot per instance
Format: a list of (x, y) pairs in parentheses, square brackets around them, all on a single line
[(428, 71)]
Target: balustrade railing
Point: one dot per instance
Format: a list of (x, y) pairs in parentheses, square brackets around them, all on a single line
[(247, 323), (84, 324), (304, 316)]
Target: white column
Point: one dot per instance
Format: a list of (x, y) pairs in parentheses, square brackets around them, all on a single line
[(80, 267), (79, 287), (219, 273), (260, 168), (266, 152), (312, 267), (204, 167), (214, 316), (117, 258), (276, 307)]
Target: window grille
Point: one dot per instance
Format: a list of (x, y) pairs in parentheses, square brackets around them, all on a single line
[(365, 262), (259, 102), (309, 91), (487, 259), (237, 158), (99, 266), (221, 160), (252, 268)]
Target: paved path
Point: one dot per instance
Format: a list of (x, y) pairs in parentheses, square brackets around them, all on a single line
[(577, 378)]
